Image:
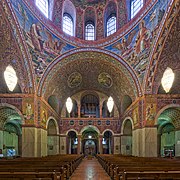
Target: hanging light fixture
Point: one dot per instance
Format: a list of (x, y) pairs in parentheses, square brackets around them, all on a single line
[(69, 104), (110, 104), (10, 77), (167, 79)]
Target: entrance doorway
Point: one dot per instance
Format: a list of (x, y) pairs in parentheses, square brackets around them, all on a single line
[(90, 142)]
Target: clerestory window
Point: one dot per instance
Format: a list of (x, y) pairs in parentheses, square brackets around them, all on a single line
[(89, 32), (68, 24), (43, 6), (136, 5), (111, 25)]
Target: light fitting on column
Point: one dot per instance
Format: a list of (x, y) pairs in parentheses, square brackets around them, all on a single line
[(167, 79), (10, 77), (69, 105)]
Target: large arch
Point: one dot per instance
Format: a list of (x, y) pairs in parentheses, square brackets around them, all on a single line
[(75, 56), (89, 126), (11, 121), (158, 47)]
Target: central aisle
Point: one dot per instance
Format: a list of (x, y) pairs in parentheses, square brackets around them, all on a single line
[(90, 170)]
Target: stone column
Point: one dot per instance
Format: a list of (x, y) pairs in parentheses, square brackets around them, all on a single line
[(63, 147), (29, 142), (100, 144), (53, 144), (149, 142), (177, 143), (1, 140), (136, 142), (159, 145), (41, 142), (126, 144), (100, 110), (20, 145), (117, 145), (145, 142), (79, 147), (79, 110), (69, 143)]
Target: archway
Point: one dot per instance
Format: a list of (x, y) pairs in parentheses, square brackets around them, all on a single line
[(126, 137), (90, 141), (72, 142), (168, 134), (107, 142), (52, 137), (10, 132)]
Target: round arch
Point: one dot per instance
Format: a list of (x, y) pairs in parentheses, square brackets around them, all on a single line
[(109, 56), (70, 131), (164, 108), (52, 118), (14, 108), (108, 130), (89, 126), (124, 121)]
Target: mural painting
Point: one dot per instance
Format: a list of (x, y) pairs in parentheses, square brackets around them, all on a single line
[(135, 47), (135, 115), (43, 46), (28, 110), (150, 111)]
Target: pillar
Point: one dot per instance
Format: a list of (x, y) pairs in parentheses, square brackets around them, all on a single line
[(100, 109), (100, 144), (1, 140), (177, 143), (79, 110), (144, 143), (62, 144), (41, 142), (79, 147), (34, 142), (117, 145), (53, 144), (126, 144), (159, 145), (29, 142)]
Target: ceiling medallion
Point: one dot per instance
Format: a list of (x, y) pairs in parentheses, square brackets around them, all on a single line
[(74, 80), (105, 80)]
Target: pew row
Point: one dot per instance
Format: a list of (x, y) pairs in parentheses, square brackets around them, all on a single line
[(129, 167)]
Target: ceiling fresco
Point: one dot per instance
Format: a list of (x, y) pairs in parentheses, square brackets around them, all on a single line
[(170, 57), (173, 16), (11, 53), (85, 3), (135, 47), (43, 46)]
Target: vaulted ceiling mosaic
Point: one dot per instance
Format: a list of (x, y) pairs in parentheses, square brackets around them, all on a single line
[(89, 71)]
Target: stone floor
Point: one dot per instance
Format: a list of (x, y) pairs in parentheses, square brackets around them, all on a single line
[(90, 170)]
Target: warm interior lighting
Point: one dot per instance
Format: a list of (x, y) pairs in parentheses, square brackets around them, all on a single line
[(110, 104), (69, 105), (10, 77), (167, 79), (89, 136)]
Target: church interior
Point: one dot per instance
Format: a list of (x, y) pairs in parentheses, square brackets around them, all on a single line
[(89, 77)]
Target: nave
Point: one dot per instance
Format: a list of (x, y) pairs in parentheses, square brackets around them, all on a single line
[(90, 169)]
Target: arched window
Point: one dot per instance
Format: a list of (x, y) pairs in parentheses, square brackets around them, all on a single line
[(111, 25), (43, 6), (68, 24), (136, 5), (89, 31)]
